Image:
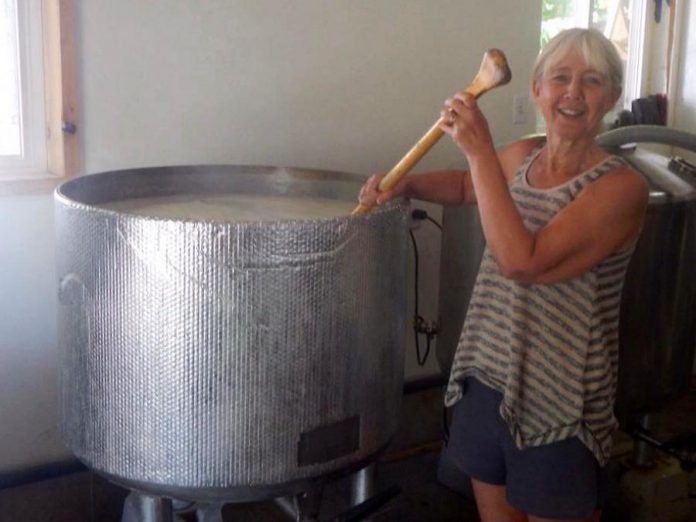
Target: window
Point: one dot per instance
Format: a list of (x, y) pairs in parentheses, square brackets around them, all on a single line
[(37, 98), (622, 21), (22, 142)]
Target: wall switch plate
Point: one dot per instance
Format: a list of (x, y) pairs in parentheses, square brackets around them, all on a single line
[(520, 107)]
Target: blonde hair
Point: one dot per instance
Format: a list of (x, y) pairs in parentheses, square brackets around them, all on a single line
[(599, 53)]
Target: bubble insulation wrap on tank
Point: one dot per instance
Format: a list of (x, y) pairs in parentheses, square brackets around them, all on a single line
[(215, 355)]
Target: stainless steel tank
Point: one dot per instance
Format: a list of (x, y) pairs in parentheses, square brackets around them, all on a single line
[(227, 361), (658, 307)]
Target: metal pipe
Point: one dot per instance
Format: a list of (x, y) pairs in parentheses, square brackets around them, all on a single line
[(647, 134)]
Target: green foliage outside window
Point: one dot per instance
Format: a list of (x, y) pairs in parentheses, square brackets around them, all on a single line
[(557, 15)]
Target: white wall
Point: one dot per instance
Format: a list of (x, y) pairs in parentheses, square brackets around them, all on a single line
[(28, 362), (343, 85)]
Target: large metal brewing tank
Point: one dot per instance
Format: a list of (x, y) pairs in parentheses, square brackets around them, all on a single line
[(227, 360), (658, 306)]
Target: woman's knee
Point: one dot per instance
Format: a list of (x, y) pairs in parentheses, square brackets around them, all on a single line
[(492, 503)]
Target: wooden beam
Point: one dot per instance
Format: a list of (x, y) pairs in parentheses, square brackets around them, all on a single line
[(60, 69)]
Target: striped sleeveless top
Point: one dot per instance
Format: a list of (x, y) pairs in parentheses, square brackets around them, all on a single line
[(550, 349)]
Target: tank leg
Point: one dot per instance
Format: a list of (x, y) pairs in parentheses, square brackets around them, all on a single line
[(139, 507), (643, 453), (302, 508), (209, 512), (363, 485)]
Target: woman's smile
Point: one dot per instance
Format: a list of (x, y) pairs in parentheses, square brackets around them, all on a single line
[(571, 113)]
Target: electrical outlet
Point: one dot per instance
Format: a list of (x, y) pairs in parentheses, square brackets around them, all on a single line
[(520, 105)]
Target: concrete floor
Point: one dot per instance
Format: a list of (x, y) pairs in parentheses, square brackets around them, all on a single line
[(658, 494), (86, 497)]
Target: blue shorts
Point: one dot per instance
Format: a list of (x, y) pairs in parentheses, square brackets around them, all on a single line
[(558, 480)]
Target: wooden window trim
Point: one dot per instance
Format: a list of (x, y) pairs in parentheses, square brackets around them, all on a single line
[(59, 20)]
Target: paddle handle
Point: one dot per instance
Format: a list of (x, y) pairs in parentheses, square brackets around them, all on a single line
[(406, 163), (423, 145)]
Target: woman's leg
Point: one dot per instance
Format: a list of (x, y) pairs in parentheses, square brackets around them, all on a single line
[(492, 504), (560, 481)]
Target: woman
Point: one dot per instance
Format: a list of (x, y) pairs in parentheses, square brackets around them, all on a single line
[(534, 376)]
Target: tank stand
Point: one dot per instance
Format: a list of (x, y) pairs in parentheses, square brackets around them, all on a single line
[(306, 507), (141, 507)]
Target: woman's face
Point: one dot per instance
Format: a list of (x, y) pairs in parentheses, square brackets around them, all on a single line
[(573, 98)]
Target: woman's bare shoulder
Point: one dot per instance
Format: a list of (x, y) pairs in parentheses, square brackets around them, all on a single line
[(513, 154), (624, 177), (623, 188)]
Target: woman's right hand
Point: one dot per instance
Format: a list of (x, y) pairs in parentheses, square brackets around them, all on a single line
[(370, 195)]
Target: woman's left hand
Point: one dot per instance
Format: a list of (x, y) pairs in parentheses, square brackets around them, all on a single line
[(465, 124)]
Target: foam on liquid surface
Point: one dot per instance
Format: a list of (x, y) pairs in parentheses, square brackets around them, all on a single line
[(233, 207)]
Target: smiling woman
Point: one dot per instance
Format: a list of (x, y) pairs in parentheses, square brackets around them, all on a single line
[(623, 22), (536, 361)]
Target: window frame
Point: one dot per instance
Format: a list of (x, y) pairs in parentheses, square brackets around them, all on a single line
[(59, 129), (638, 46)]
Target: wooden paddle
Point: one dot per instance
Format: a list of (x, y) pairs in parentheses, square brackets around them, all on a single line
[(494, 71)]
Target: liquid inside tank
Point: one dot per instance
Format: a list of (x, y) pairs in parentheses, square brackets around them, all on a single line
[(232, 207)]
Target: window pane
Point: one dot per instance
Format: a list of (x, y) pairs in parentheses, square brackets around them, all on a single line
[(556, 15), (10, 119), (611, 18)]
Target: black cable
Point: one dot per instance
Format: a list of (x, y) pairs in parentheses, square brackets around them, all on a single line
[(438, 225), (415, 264), (419, 323), (418, 214), (417, 319)]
